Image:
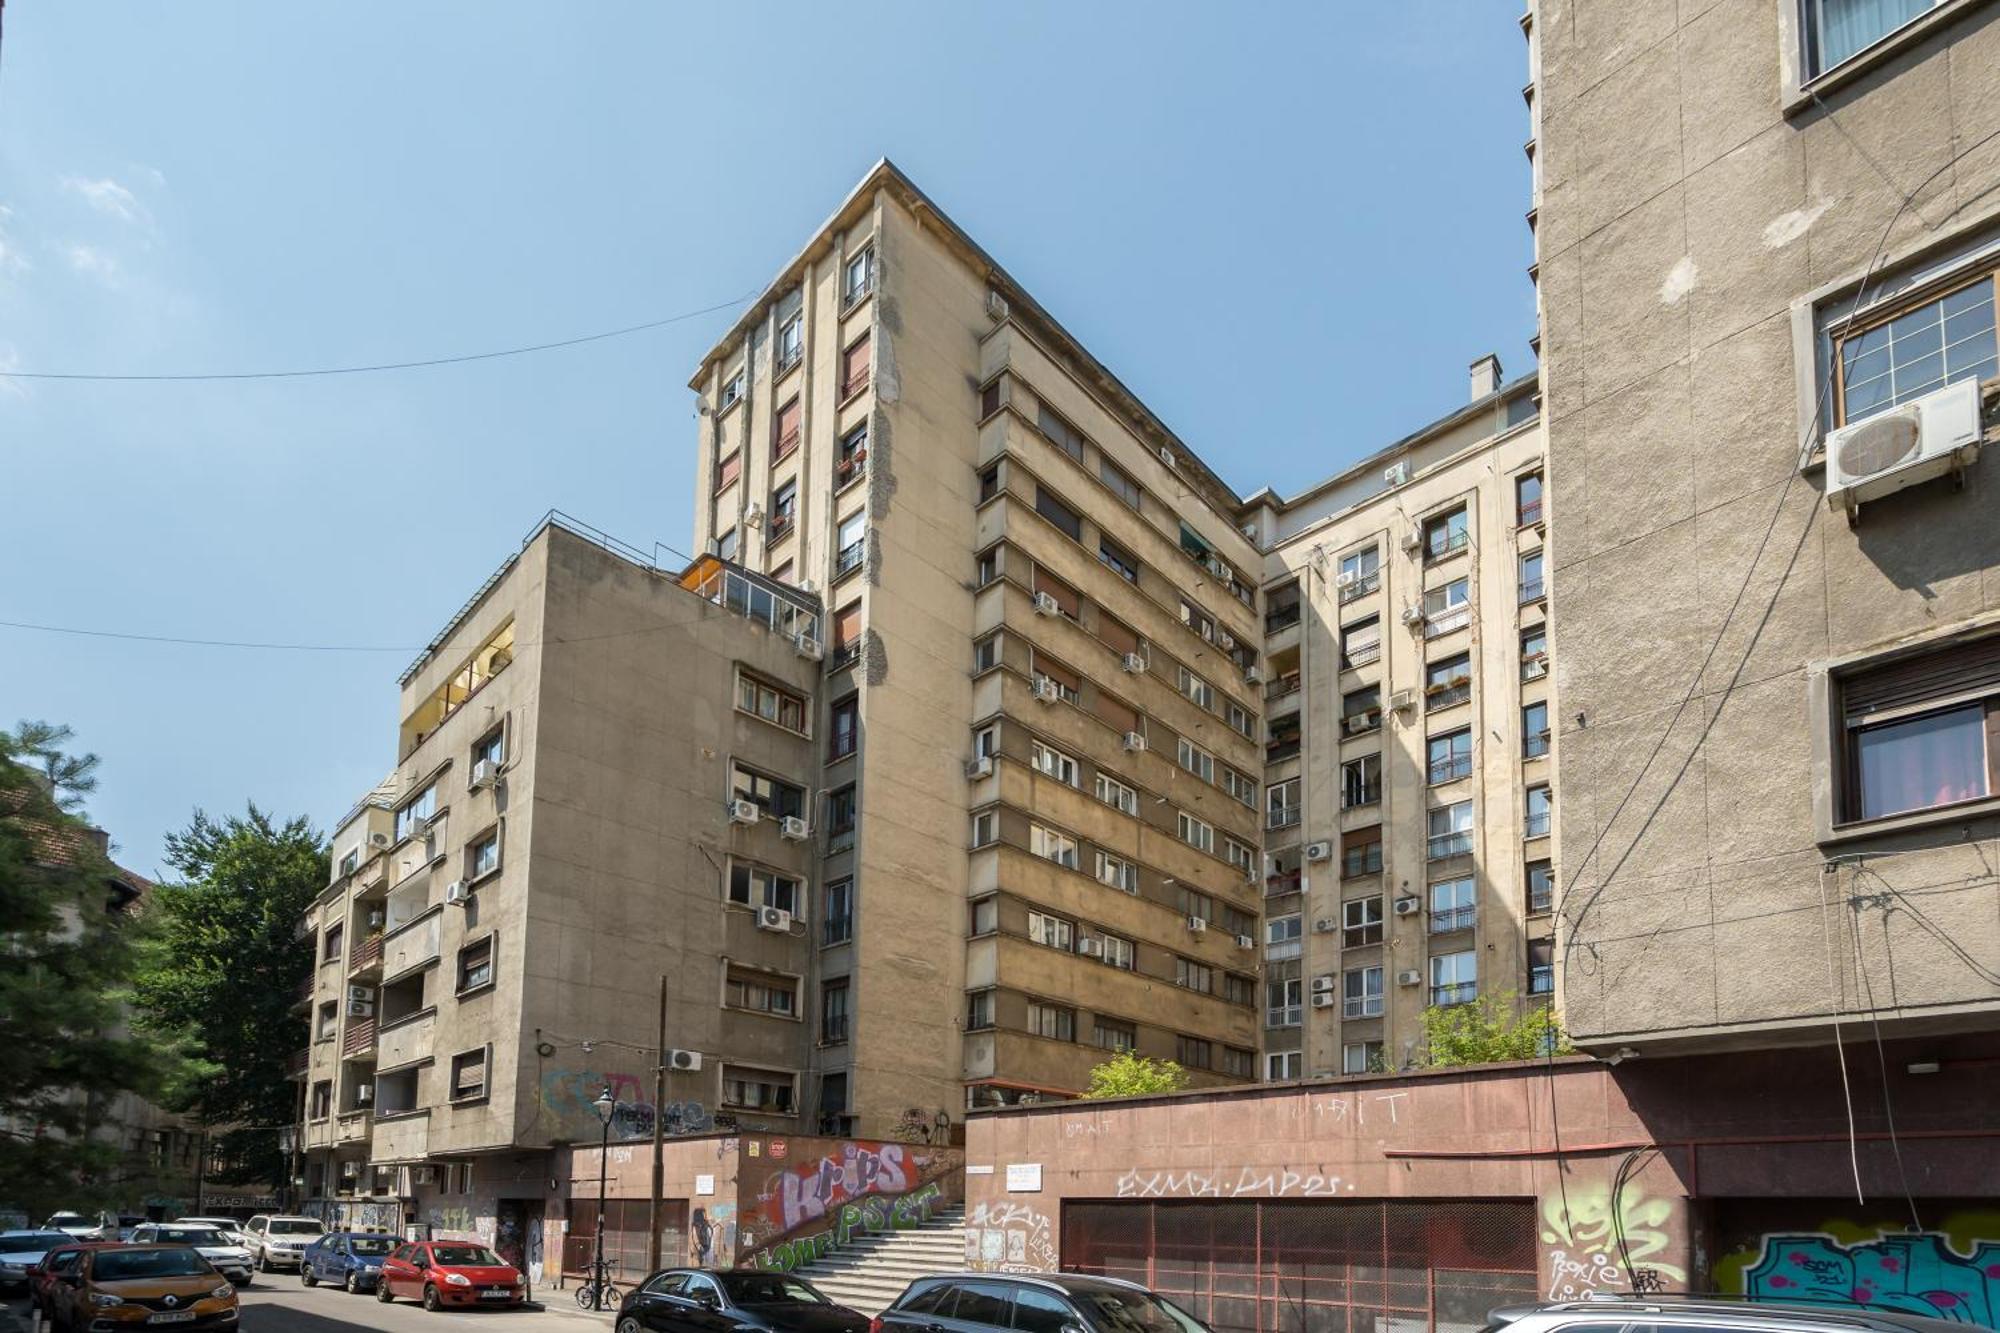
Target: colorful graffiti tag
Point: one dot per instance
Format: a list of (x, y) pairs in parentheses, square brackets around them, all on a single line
[(569, 1095), (850, 1220), (809, 1190), (817, 1195), (1915, 1272), (1009, 1237), (1589, 1250)]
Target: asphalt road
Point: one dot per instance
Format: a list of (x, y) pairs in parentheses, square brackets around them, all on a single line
[(277, 1303)]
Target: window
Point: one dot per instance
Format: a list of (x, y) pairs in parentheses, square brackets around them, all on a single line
[(1454, 905), (1837, 30), (850, 543), (760, 886), (1193, 1052), (1284, 1002), (1362, 1057), (1541, 967), (987, 568), (1112, 1035), (414, 813), (1532, 587), (1119, 560), (468, 1075), (1361, 922), (1445, 534), (978, 1010), (1116, 951), (1284, 936), (991, 397), (352, 861), (837, 926), (728, 470), (1239, 989), (1195, 760), (1909, 351), (1239, 854), (791, 342), (1121, 485), (1238, 1062), (757, 1090), (783, 572), (1361, 781), (1282, 1065), (776, 799), (1057, 847), (1069, 685), (773, 703), (328, 1021), (784, 509), (489, 749), (1535, 730), (1361, 642), (482, 856), (1056, 764), (1194, 903), (1119, 873), (760, 992), (1535, 652), (851, 458), (1060, 433), (1454, 978), (322, 1101), (985, 915), (1361, 710), (1361, 992), (1119, 638), (1360, 573), (1239, 719), (1447, 608), (1198, 620), (1541, 887), (858, 278), (989, 483), (1052, 1020), (1195, 688), (1053, 931), (1281, 607), (841, 806), (1540, 813), (1050, 507), (1450, 831), (725, 545), (1917, 732), (732, 390), (1449, 757), (1115, 793), (785, 429), (1361, 852), (846, 644), (1528, 499), (1448, 682), (985, 828), (986, 653), (1281, 804), (1193, 976), (332, 943), (1197, 834), (845, 729)]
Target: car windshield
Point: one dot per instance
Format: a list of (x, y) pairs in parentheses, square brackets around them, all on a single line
[(285, 1226), (768, 1289), (189, 1235), (1135, 1312), (131, 1265), (454, 1256), (372, 1244), (22, 1242), (70, 1220)]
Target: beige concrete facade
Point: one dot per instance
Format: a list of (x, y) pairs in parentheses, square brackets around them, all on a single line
[(1727, 193), (1408, 810)]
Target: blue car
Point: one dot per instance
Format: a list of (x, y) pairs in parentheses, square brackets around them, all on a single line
[(351, 1259)]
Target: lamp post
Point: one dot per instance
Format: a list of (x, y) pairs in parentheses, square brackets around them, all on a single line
[(606, 1106)]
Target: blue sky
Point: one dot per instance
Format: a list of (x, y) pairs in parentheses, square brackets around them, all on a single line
[(1288, 228)]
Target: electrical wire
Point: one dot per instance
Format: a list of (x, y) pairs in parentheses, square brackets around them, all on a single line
[(423, 363), (1882, 1063), (1840, 1048)]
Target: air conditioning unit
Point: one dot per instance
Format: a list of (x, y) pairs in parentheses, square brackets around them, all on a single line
[(483, 773), (1135, 741), (1197, 924), (743, 812), (1249, 530), (1167, 456), (1413, 539), (1245, 942), (455, 894), (1323, 983), (1226, 639), (1396, 474), (360, 1009), (996, 307), (1324, 926), (1413, 616), (1134, 663), (794, 829), (1323, 999), (1403, 700), (360, 994), (753, 517), (1046, 605), (1252, 675), (774, 919), (1047, 690), (379, 841), (685, 1061), (1319, 851), (1090, 948), (1408, 905), (1346, 579), (1912, 442), (809, 648), (365, 1095), (1409, 976), (982, 767)]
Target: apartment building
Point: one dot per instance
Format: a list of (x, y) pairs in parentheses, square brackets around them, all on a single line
[(1408, 806), (597, 793), (1042, 732)]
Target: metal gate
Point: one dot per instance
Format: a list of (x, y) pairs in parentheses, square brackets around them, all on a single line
[(1315, 1266)]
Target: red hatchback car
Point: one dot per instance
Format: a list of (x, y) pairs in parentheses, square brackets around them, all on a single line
[(44, 1276), (444, 1273)]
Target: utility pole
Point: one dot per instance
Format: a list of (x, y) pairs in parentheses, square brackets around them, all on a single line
[(659, 1139)]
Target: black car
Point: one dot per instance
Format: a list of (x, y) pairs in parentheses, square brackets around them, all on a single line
[(1048, 1303), (738, 1300)]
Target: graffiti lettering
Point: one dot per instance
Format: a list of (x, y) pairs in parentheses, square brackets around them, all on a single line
[(1248, 1182), (809, 1191), (1916, 1272), (1354, 1110), (1585, 1240), (1008, 1237), (864, 1217), (568, 1095)]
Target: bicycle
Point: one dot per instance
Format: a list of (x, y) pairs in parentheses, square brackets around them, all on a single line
[(596, 1284)]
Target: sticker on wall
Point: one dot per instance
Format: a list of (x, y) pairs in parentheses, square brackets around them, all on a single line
[(979, 1169), (754, 1148), (778, 1149), (704, 1184), (1024, 1177)]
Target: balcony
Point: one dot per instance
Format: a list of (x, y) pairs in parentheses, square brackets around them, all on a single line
[(1443, 845), (1448, 693), (1450, 768), (353, 1127), (1361, 723), (1284, 1016), (1280, 750), (298, 1062), (1281, 619), (1535, 744), (1536, 826), (1534, 666), (303, 995), (366, 956), (1280, 950), (1361, 586), (403, 1138), (1359, 792), (1542, 979), (1439, 623), (1361, 654), (1447, 919), (1283, 688), (1442, 544), (406, 1040), (849, 557), (1531, 514), (412, 945), (358, 1039), (1458, 992), (1284, 816), (1289, 881), (851, 468), (1361, 1006)]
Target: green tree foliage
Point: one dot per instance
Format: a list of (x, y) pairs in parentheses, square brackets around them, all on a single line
[(222, 976), (1128, 1074), (69, 950), (1490, 1029)]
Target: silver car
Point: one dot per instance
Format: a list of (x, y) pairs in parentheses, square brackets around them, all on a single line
[(229, 1258), (1673, 1313), (22, 1250), (278, 1241)]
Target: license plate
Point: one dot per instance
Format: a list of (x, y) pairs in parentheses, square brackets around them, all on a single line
[(496, 1294), (177, 1317)]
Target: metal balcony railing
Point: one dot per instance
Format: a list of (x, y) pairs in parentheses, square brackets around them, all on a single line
[(1535, 744), (1355, 795), (1534, 666), (1278, 751), (849, 557), (1283, 1016), (1284, 687), (298, 1062), (1531, 513), (1362, 586), (1281, 619), (1439, 623), (1448, 919), (850, 467), (1361, 1006), (1454, 691), (1442, 845), (1442, 543), (366, 954), (1532, 590), (1450, 768), (1458, 992), (360, 1036), (1361, 654), (1540, 900), (1289, 881), (838, 930), (1542, 979), (304, 991), (1535, 826), (1284, 816)]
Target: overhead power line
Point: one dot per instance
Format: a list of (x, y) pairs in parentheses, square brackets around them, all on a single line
[(420, 364), (206, 643)]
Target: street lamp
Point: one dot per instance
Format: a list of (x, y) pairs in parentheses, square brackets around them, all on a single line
[(606, 1106)]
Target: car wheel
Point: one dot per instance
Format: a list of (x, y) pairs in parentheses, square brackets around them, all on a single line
[(431, 1301), (307, 1276), (382, 1292), (630, 1325), (260, 1264), (353, 1282)]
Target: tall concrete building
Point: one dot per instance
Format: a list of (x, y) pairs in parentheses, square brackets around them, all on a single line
[(1408, 807)]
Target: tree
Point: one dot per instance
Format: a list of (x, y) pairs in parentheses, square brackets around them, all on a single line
[(1129, 1074), (1490, 1029), (69, 942), (223, 972)]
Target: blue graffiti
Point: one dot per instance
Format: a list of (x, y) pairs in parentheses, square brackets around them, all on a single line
[(1917, 1273)]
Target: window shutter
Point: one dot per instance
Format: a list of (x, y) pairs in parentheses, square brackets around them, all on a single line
[(1065, 595), (1116, 637), (1121, 718), (1960, 671), (1063, 676), (847, 625), (788, 422)]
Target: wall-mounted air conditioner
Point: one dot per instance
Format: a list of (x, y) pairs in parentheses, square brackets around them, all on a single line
[(1090, 948), (1409, 976), (1047, 690), (1413, 539), (685, 1061), (1197, 924), (794, 829), (774, 919), (1408, 905), (1252, 675), (1135, 741), (982, 767), (483, 773), (1413, 616), (1403, 701), (1046, 605), (1134, 663), (1324, 926), (1323, 999), (379, 841), (1319, 851), (1927, 437), (455, 894), (1396, 474), (996, 308), (364, 1095), (360, 994), (809, 648), (1346, 579), (1323, 983), (1245, 942), (743, 812)]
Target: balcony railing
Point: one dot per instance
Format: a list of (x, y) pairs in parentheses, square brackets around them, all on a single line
[(1284, 687), (1284, 1016), (366, 954), (360, 1036), (1447, 919), (351, 1127), (1439, 623), (1284, 816), (1458, 992), (837, 930), (298, 1062), (1454, 691), (843, 653), (1361, 654), (1540, 899), (1281, 949), (1542, 979), (1536, 826), (1441, 544), (849, 557), (850, 467), (1534, 666), (1361, 861), (1281, 750), (780, 525), (1442, 845), (304, 993), (1532, 590), (1355, 795), (1281, 619), (1450, 768), (1531, 513), (1361, 587), (1535, 744), (833, 1028), (1361, 1006), (1286, 881)]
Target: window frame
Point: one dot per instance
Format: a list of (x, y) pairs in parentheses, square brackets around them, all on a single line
[(780, 696), (762, 892), (742, 979), (458, 1064), (463, 987)]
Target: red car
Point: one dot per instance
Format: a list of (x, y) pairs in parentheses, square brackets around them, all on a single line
[(44, 1276), (443, 1273)]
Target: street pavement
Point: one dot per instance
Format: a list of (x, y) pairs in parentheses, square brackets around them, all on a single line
[(279, 1304)]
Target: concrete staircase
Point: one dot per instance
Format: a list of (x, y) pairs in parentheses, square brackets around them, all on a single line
[(873, 1270)]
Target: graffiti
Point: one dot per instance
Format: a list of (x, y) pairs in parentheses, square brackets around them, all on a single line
[(807, 1192), (1915, 1272), (1354, 1110), (570, 1095), (1585, 1252), (1248, 1182), (712, 1233), (866, 1217), (456, 1221), (1008, 1237)]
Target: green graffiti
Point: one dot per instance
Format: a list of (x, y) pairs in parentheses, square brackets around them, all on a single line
[(866, 1217), (1590, 1250)]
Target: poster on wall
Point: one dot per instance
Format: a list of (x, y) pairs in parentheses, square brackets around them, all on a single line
[(704, 1184), (1024, 1177)]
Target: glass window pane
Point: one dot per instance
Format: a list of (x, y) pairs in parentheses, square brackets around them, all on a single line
[(1922, 762)]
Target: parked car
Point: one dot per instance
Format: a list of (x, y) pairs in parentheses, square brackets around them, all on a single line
[(82, 1227), (127, 1224), (230, 1259), (228, 1226), (20, 1251), (444, 1273), (46, 1275), (277, 1241), (350, 1259), (1668, 1313), (703, 1300), (119, 1286), (1048, 1303)]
